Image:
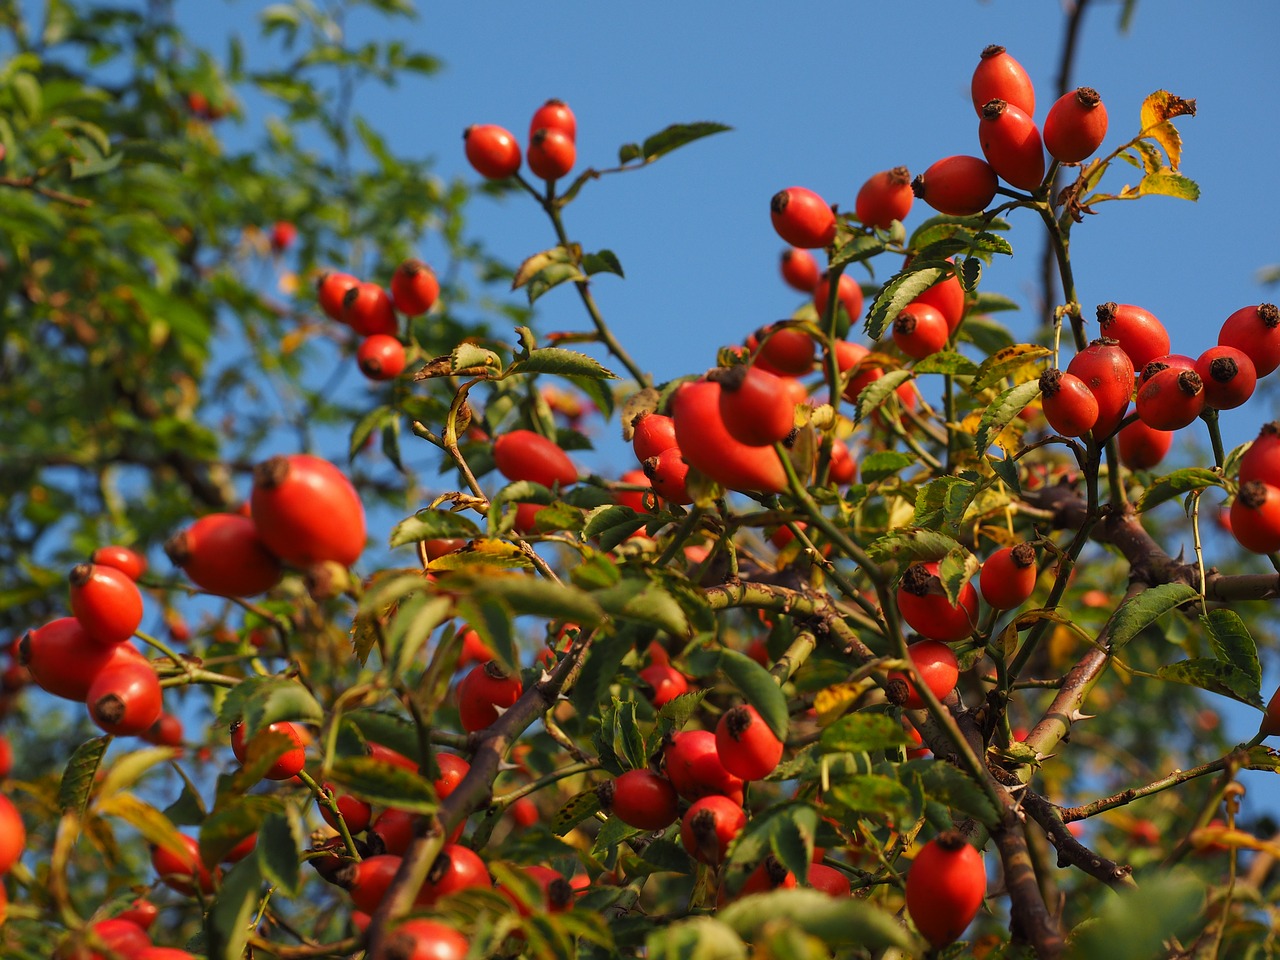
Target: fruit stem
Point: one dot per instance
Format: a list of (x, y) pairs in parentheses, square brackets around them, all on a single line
[(163, 648), (831, 570), (1059, 241), (326, 798), (687, 526), (1210, 418)]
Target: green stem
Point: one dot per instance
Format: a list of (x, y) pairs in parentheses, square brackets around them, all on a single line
[(1210, 418), (331, 803)]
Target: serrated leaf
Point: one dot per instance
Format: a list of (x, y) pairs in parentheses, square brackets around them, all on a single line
[(1262, 758), (78, 775), (611, 525), (561, 362), (871, 793), (229, 922), (496, 554), (900, 291), (836, 921), (861, 247), (986, 242), (604, 261), (675, 136), (759, 689), (942, 502), (946, 361), (628, 741), (639, 598), (677, 711), (527, 595), (1157, 110), (952, 786), (410, 629), (575, 810), (1138, 613), (956, 569), (910, 546), (469, 356), (970, 273), (375, 781), (1006, 468), (280, 838), (1003, 411), (1176, 484), (874, 395), (1166, 184), (612, 833), (599, 670), (878, 466), (538, 262), (1216, 676), (432, 525), (1233, 644), (1020, 361), (270, 700), (864, 733), (942, 226)]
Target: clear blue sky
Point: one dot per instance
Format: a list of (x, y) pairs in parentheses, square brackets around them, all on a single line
[(823, 95)]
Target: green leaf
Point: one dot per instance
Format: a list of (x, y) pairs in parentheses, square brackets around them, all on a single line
[(956, 569), (83, 169), (27, 93), (228, 925), (946, 361), (78, 775), (1006, 468), (970, 273), (1166, 183), (1216, 676), (787, 831), (611, 525), (600, 670), (875, 394), (280, 838), (234, 821), (1177, 483), (864, 733), (900, 291), (871, 793), (386, 784), (1233, 644), (527, 595), (942, 502), (575, 810), (1019, 361), (675, 136), (758, 688), (628, 152), (949, 785), (837, 922), (566, 363), (910, 546), (469, 356), (612, 833), (410, 629), (1003, 411), (861, 247), (1135, 924), (375, 419), (262, 701), (605, 261), (878, 466), (697, 938), (432, 525), (127, 770), (628, 741), (1138, 613), (153, 825), (984, 333), (993, 303), (643, 599)]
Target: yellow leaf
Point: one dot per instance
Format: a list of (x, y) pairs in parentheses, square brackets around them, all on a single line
[(493, 553), (538, 262), (288, 283), (835, 700), (1166, 183), (1157, 110)]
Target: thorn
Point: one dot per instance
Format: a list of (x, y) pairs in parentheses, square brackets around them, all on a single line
[(505, 766), (1076, 716), (546, 676)]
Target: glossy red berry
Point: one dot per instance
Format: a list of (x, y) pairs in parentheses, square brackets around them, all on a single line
[(223, 554), (665, 683), (420, 939), (1255, 517), (525, 455), (844, 469), (141, 912), (920, 331), (848, 295), (959, 186), (706, 444), (945, 887), (828, 880), (799, 269), (1229, 377), (289, 763), (331, 290), (1069, 404), (925, 608), (554, 115), (163, 953), (640, 799), (1139, 333), (755, 405), (452, 770), (1270, 725), (106, 602), (183, 870), (13, 835), (1008, 576), (456, 868), (368, 880), (485, 690), (1262, 460), (64, 661), (165, 732), (110, 938), (414, 288), (694, 768), (1076, 125), (1170, 399), (885, 197), (395, 830), (6, 757), (802, 218), (551, 154), (381, 357), (307, 511), (125, 699), (1011, 143), (999, 75), (668, 474), (129, 562), (355, 812), (651, 434), (367, 310), (709, 826), (746, 745), (283, 234), (786, 351), (935, 666), (1108, 373), (1143, 447), (1255, 331), (492, 151), (1178, 360)]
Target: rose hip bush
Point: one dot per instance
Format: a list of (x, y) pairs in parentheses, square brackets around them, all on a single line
[(818, 675)]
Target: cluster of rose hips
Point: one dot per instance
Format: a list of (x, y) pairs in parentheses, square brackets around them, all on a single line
[(371, 312), (495, 153)]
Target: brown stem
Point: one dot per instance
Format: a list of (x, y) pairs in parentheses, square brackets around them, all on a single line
[(1071, 852), (1029, 918)]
